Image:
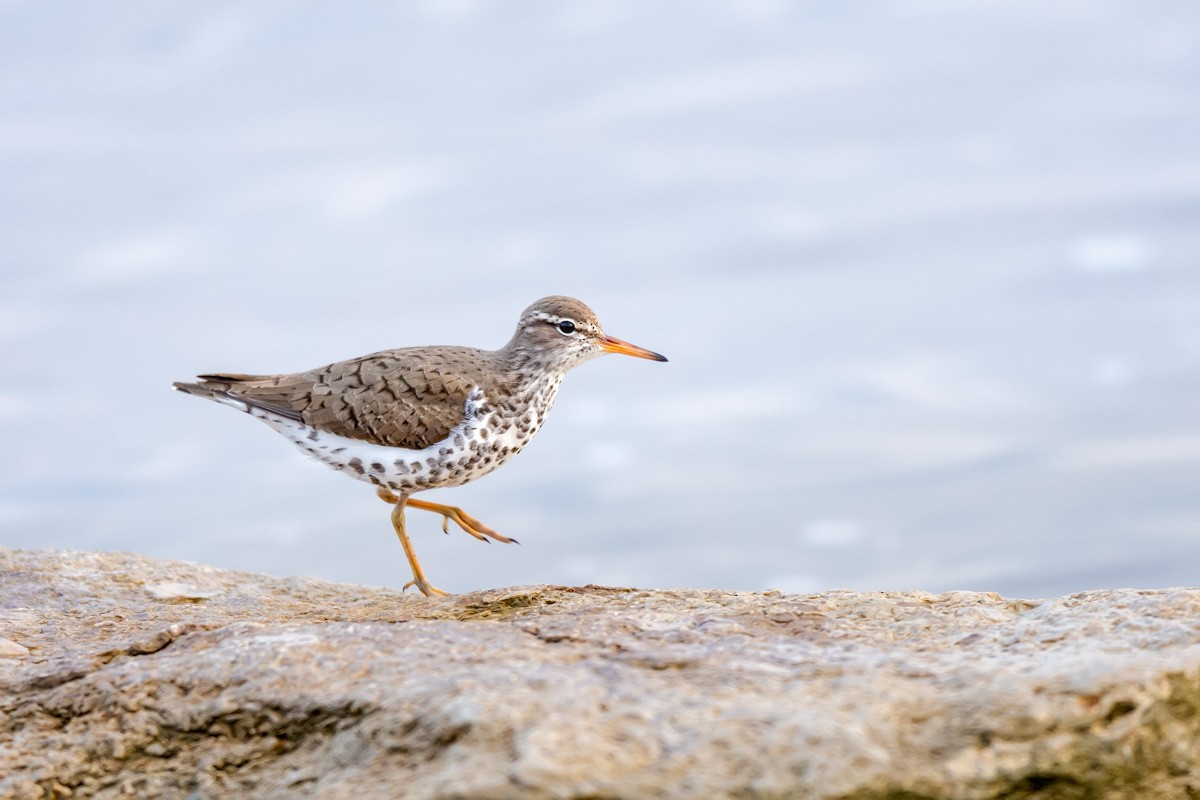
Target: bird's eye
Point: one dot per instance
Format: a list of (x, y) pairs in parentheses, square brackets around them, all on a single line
[(566, 327)]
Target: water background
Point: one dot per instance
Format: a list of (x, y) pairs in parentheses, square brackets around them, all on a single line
[(926, 272)]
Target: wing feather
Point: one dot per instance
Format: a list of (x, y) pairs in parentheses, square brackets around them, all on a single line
[(396, 398)]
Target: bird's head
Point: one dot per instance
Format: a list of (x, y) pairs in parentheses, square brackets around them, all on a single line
[(561, 332)]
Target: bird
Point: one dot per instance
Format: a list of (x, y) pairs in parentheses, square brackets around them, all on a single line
[(417, 418)]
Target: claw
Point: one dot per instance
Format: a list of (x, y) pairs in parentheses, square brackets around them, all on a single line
[(427, 589)]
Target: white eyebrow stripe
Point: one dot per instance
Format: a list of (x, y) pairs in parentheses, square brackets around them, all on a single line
[(542, 316)]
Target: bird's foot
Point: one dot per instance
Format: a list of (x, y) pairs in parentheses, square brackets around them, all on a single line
[(425, 588), (462, 519)]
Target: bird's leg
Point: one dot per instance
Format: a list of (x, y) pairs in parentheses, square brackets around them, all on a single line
[(418, 580), (452, 513)]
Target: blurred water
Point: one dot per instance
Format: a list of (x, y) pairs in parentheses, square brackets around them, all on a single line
[(926, 273)]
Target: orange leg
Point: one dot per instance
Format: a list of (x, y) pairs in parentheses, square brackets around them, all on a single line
[(423, 585), (452, 514)]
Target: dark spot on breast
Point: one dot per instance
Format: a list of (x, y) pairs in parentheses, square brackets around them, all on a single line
[(313, 435), (356, 465), (377, 467), (401, 466)]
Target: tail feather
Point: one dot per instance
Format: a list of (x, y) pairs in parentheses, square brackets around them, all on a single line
[(229, 377), (231, 390), (199, 389), (212, 387), (215, 386)]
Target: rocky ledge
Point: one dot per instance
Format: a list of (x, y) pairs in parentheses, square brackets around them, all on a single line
[(123, 676)]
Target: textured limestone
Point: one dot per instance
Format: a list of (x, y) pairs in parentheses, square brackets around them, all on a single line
[(123, 676)]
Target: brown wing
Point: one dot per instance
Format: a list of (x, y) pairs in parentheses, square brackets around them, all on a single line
[(409, 398)]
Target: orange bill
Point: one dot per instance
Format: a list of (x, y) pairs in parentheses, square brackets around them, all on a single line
[(625, 348)]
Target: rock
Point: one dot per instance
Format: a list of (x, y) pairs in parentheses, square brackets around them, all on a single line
[(228, 684), (181, 591), (11, 649)]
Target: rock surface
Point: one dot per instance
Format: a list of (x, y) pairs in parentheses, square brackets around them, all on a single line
[(123, 676)]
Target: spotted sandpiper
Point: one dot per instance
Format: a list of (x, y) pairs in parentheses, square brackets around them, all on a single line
[(420, 418)]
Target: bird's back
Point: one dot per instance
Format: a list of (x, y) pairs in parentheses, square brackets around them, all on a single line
[(409, 397)]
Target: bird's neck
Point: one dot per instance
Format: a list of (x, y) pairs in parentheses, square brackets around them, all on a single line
[(521, 358), (531, 380)]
